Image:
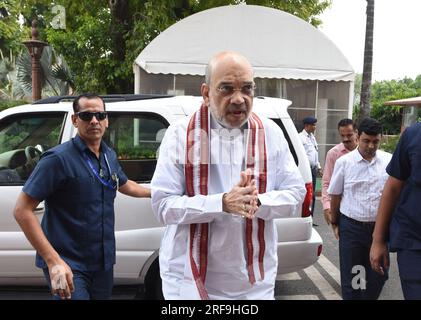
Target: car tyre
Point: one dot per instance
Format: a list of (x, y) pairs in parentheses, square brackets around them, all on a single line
[(153, 283)]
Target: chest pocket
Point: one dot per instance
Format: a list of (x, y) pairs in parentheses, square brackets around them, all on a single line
[(355, 182), (307, 144)]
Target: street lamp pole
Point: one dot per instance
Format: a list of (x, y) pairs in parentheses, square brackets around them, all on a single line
[(35, 48)]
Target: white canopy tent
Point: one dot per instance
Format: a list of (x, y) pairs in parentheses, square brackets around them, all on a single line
[(291, 59), (278, 45)]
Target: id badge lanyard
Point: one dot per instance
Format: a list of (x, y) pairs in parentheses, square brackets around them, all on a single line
[(113, 176)]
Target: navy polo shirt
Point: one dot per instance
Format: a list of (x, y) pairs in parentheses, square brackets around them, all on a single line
[(79, 208), (406, 166)]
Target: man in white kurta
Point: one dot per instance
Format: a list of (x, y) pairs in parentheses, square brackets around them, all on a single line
[(227, 275)]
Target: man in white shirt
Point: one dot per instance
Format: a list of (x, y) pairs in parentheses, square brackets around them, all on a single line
[(312, 150), (355, 189), (222, 176)]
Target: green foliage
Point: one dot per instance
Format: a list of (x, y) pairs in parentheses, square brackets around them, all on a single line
[(382, 91), (20, 134), (11, 33), (5, 104), (15, 68), (357, 95), (87, 51), (307, 10), (56, 78), (10, 88), (143, 151), (102, 38), (9, 142), (389, 143)]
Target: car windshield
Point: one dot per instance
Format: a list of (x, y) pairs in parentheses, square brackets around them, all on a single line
[(23, 138)]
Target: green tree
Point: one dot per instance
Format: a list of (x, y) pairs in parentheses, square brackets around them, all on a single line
[(368, 63), (102, 38), (56, 78), (16, 75), (382, 91), (11, 32), (357, 95), (307, 10)]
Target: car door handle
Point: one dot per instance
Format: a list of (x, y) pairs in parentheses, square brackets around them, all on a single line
[(40, 208)]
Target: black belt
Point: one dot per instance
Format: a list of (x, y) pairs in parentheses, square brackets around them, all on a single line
[(361, 223)]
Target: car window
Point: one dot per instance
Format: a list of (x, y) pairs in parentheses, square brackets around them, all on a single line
[(287, 137), (136, 138), (23, 138)]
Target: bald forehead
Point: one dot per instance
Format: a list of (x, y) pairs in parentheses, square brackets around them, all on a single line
[(224, 60)]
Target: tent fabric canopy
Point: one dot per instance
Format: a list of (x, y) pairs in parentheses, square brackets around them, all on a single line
[(415, 101), (278, 45)]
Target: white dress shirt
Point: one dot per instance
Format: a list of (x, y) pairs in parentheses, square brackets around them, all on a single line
[(360, 183), (311, 148), (227, 276)]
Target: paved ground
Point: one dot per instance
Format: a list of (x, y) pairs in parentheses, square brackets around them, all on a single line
[(318, 282)]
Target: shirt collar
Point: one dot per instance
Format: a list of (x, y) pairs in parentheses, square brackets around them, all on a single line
[(306, 133), (82, 147), (358, 157)]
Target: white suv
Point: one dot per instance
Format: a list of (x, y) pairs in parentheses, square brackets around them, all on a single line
[(136, 127)]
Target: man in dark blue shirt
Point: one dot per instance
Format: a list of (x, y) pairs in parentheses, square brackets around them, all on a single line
[(78, 180), (400, 211)]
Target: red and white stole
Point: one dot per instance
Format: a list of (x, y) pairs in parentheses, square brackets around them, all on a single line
[(197, 176)]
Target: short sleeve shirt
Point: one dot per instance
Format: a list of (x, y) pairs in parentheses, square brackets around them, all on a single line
[(79, 207), (406, 166), (360, 182)]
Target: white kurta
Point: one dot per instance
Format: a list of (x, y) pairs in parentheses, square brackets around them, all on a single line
[(227, 276)]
